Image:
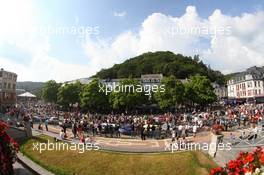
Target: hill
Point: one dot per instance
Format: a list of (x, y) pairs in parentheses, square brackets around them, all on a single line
[(164, 62), (32, 87)]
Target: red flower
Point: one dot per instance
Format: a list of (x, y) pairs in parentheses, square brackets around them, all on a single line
[(232, 164), (261, 158), (249, 158), (8, 150), (218, 171), (245, 163)]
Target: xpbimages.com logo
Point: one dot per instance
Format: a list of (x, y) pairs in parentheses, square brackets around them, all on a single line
[(182, 146), (146, 89), (60, 146)]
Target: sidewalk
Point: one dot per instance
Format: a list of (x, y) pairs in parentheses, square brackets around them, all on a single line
[(128, 145), (19, 169)]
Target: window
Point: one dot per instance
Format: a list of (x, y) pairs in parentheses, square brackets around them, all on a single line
[(249, 84), (1, 74), (14, 86), (260, 92)]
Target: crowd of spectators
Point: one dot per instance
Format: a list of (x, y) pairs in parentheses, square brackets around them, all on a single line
[(143, 126)]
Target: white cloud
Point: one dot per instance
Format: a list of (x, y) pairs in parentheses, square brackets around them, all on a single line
[(238, 44), (238, 41), (17, 24), (120, 14)]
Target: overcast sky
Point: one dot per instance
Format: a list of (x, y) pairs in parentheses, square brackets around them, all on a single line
[(65, 40)]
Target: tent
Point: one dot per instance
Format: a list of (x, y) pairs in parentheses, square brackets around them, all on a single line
[(27, 95)]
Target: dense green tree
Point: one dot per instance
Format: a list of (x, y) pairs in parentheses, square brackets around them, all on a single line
[(128, 95), (49, 91), (166, 63), (93, 97), (200, 91), (69, 94), (173, 94)]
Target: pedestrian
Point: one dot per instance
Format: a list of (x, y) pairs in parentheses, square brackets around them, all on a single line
[(74, 129), (173, 135), (46, 124), (194, 130)]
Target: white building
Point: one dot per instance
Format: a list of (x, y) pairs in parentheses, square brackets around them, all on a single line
[(247, 85), (220, 91)]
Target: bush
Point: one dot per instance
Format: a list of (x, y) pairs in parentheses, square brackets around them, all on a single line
[(8, 150), (251, 163)]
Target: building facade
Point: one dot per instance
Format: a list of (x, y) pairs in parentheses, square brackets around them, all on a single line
[(247, 85), (7, 88), (220, 91)]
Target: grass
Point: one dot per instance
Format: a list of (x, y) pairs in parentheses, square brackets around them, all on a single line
[(102, 163)]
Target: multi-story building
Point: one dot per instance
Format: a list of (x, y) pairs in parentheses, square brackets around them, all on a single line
[(247, 85), (220, 91), (7, 88)]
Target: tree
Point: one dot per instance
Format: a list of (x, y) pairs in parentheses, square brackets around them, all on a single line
[(129, 95), (93, 96), (199, 90), (69, 94), (166, 63), (50, 91), (173, 94)]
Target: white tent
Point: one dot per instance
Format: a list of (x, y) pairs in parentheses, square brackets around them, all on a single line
[(27, 94)]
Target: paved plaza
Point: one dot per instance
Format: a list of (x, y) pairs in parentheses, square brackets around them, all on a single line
[(128, 144)]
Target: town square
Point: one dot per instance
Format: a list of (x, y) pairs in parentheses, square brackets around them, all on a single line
[(118, 87)]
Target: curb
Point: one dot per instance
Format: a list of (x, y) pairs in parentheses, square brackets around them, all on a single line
[(32, 166)]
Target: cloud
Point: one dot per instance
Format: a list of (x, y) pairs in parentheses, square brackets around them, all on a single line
[(227, 43), (17, 30), (120, 14)]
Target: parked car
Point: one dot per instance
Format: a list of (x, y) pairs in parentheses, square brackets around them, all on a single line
[(19, 124), (37, 119), (66, 123), (126, 129), (53, 120)]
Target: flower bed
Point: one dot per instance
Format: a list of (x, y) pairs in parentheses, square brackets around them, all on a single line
[(249, 163), (8, 150)]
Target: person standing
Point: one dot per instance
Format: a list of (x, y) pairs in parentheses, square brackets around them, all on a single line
[(183, 133), (74, 129), (46, 124), (179, 133), (173, 135), (142, 129), (194, 130)]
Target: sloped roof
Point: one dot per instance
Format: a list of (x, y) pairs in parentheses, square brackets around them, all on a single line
[(27, 94)]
